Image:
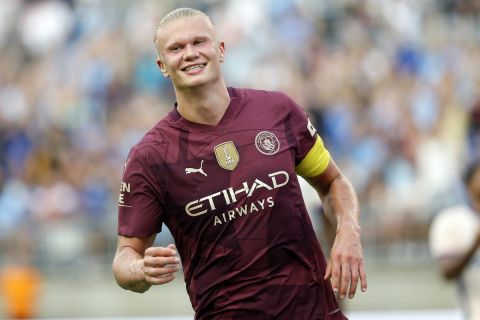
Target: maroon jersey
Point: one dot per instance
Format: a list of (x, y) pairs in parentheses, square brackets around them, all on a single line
[(231, 199)]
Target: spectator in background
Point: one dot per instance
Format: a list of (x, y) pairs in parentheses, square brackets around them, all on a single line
[(455, 244), (388, 84), (20, 288), (20, 281)]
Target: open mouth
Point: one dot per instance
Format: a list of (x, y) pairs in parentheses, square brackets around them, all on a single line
[(195, 67)]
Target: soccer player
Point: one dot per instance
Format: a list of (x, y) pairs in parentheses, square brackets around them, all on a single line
[(220, 171), (455, 244)]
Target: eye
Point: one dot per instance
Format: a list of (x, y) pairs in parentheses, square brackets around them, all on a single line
[(198, 41), (174, 48)]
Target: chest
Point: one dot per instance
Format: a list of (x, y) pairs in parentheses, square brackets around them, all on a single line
[(216, 170)]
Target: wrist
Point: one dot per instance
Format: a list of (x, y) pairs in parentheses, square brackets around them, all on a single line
[(349, 227)]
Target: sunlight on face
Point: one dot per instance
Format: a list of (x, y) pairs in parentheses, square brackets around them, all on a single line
[(189, 52), (164, 33)]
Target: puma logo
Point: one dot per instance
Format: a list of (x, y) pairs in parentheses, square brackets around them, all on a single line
[(194, 170)]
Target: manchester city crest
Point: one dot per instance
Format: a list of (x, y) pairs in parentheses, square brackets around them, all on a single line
[(267, 143), (227, 155)]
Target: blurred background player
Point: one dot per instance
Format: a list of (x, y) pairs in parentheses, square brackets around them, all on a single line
[(455, 244)]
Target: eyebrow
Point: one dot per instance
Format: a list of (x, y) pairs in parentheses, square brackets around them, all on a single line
[(181, 43)]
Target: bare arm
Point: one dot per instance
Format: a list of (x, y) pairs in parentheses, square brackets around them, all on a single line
[(346, 265), (452, 267), (137, 265)]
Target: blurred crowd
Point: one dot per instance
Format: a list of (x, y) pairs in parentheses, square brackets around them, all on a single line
[(392, 86)]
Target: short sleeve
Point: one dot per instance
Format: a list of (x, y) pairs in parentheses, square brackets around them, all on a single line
[(139, 204), (304, 133), (452, 232), (311, 156)]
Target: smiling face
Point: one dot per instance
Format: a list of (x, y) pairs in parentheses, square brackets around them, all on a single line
[(189, 52)]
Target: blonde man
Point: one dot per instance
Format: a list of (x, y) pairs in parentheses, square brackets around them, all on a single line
[(220, 171)]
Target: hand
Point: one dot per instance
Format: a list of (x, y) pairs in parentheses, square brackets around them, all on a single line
[(346, 265), (160, 264)]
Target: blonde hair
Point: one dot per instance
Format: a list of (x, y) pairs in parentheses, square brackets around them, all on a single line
[(177, 14)]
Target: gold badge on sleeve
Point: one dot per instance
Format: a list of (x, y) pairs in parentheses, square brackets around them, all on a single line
[(227, 155)]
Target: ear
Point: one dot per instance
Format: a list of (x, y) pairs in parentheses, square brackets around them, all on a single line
[(162, 68), (221, 49)]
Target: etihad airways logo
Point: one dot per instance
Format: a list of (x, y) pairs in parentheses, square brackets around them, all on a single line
[(230, 195)]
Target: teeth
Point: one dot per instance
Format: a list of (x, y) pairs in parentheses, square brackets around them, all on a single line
[(194, 68)]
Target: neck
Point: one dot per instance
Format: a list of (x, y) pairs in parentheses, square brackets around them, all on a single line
[(203, 105)]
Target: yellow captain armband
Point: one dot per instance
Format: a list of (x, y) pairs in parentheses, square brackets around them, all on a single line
[(315, 162)]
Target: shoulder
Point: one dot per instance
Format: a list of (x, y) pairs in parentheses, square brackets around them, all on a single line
[(453, 230), (274, 103), (459, 215), (263, 95), (152, 147)]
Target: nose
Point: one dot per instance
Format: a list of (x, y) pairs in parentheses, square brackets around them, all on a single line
[(190, 52)]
